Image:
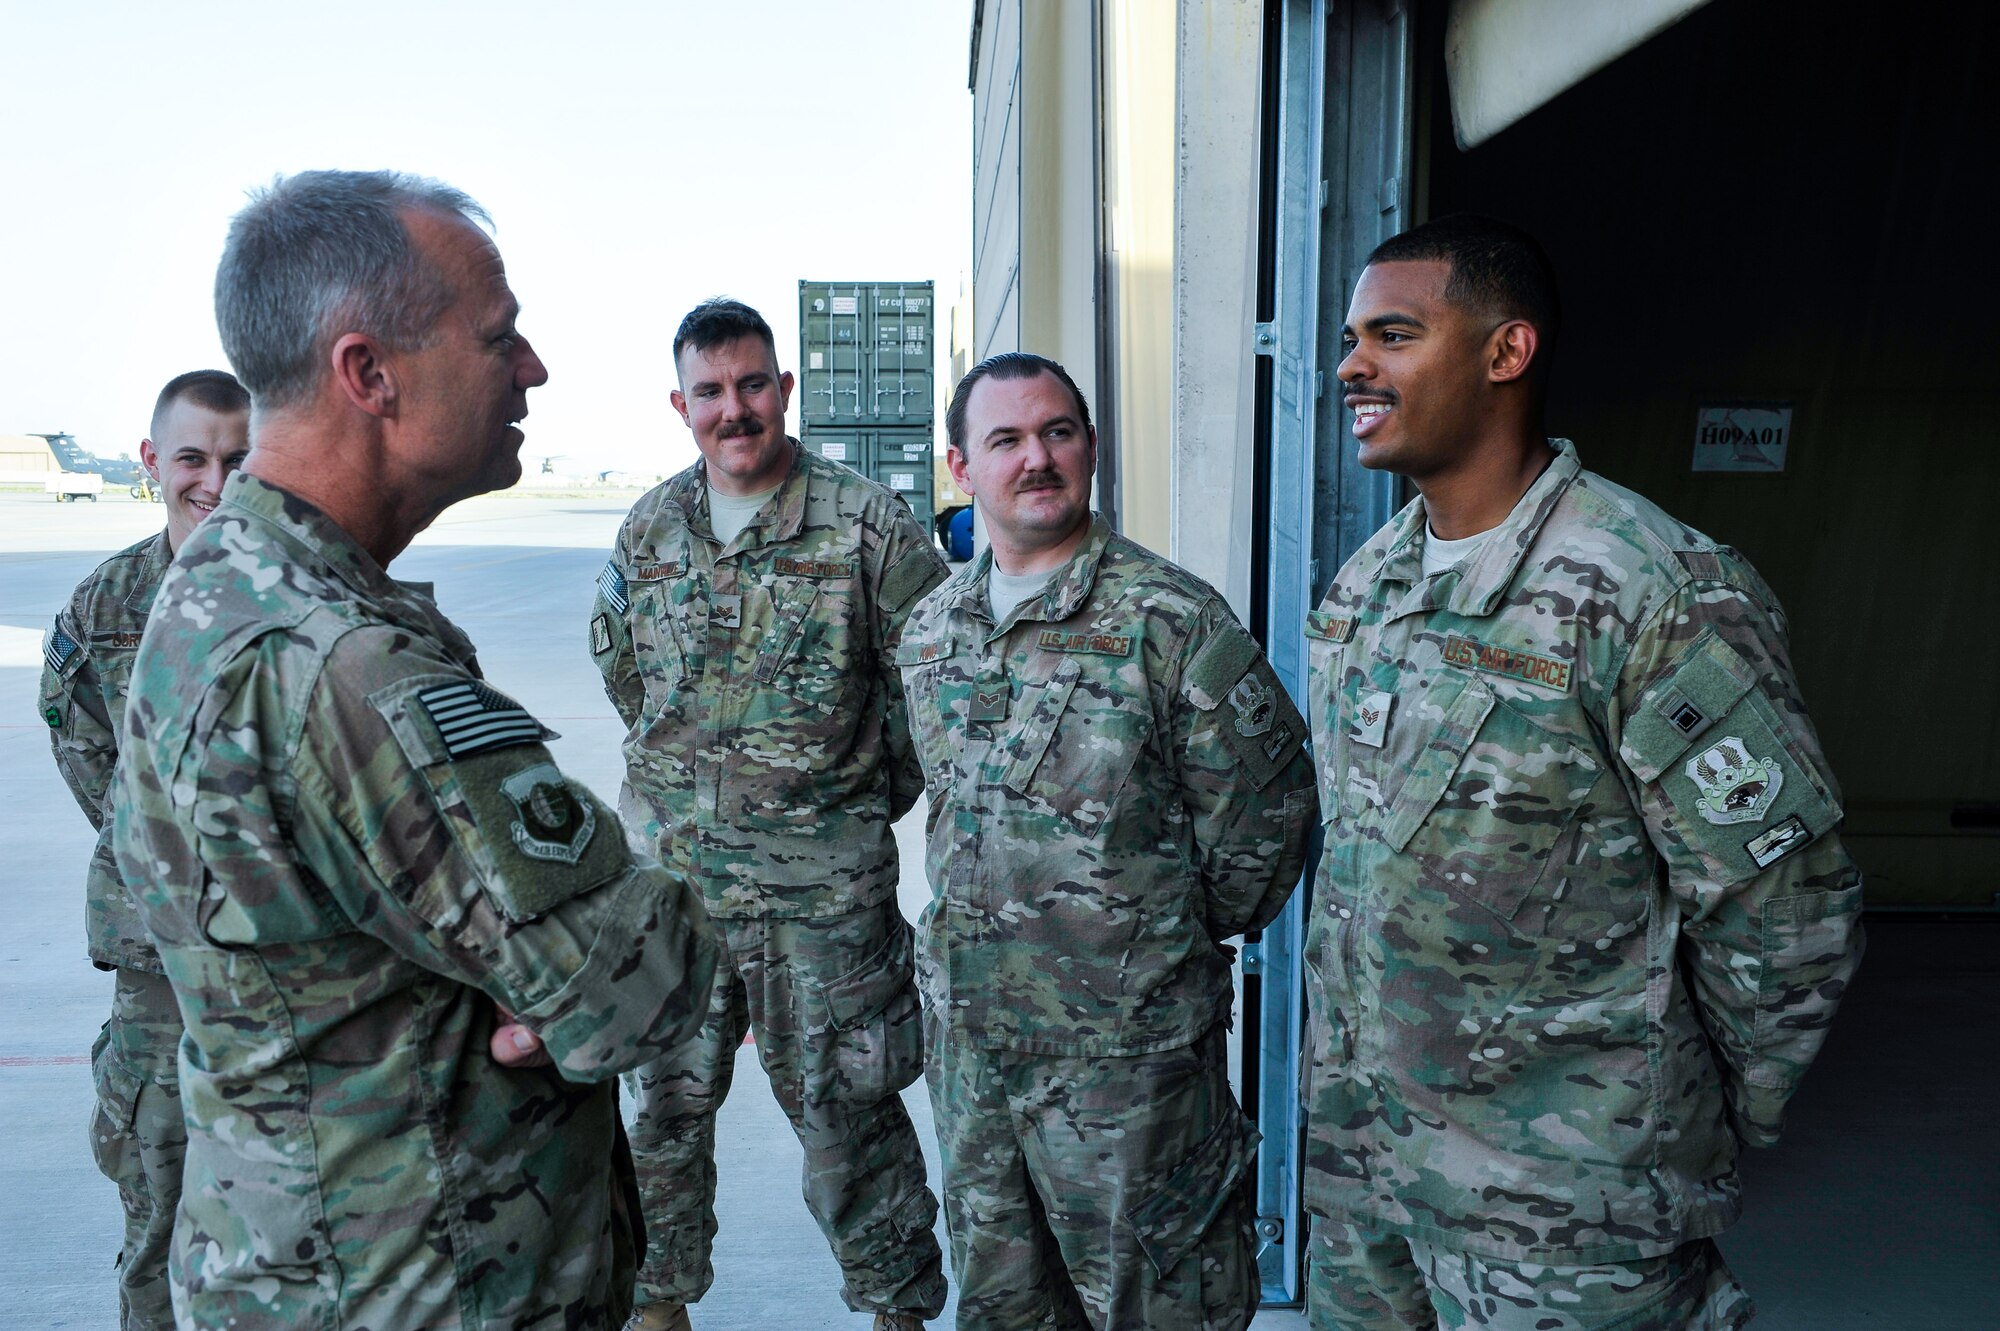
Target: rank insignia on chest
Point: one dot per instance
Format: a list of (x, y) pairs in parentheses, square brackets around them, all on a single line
[(550, 822), (1371, 718), (1735, 787), (989, 699), (726, 610)]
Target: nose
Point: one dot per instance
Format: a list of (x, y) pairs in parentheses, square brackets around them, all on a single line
[(1035, 454), (529, 372), (1354, 367)]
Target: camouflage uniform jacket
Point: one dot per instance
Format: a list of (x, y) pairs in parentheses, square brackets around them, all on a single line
[(1582, 906), (87, 667), (1117, 783), (351, 849), (769, 749)]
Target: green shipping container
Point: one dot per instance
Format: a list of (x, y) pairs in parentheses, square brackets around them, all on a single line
[(867, 353), (897, 459)]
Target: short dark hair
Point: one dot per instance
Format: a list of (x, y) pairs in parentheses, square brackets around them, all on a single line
[(1496, 267), (212, 390), (1006, 365), (320, 254), (720, 319)]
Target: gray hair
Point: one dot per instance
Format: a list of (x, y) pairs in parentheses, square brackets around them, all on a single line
[(321, 254)]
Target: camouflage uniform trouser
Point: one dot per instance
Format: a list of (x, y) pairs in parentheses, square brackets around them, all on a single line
[(138, 1138), (1372, 1280), (834, 1008), (1111, 1193)]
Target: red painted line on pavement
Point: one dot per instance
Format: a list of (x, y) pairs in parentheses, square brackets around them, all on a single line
[(42, 1061)]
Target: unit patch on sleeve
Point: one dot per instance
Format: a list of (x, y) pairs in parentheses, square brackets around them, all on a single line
[(59, 649), (1735, 787), (1254, 704), (550, 822), (600, 635), (472, 718), (1528, 667), (612, 583)]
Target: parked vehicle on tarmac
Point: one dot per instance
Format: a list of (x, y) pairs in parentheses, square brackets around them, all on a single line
[(69, 486)]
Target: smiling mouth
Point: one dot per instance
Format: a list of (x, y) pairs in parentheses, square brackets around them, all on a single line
[(201, 505), (1368, 415)]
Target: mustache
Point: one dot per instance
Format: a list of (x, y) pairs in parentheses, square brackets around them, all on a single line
[(1040, 480), (1353, 395), (740, 429)]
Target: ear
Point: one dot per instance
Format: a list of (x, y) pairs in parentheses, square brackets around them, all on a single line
[(149, 458), (680, 402), (785, 382), (361, 368), (955, 459), (1510, 350)]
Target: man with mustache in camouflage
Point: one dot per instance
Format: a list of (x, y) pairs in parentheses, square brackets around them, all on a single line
[(1118, 785), (1583, 917), (199, 435), (354, 854), (746, 627)]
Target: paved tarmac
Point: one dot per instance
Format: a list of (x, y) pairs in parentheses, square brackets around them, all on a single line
[(1878, 1213)]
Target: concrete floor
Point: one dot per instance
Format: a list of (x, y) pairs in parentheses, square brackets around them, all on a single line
[(1881, 1210)]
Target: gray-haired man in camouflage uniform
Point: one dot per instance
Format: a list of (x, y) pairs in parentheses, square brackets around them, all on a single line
[(1582, 918), (746, 627), (199, 434), (354, 854), (1118, 783)]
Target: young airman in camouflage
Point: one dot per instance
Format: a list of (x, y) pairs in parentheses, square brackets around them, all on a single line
[(199, 434), (1118, 783), (355, 855), (1583, 917), (746, 626)]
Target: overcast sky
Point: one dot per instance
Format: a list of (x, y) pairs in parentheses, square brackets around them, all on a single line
[(635, 157)]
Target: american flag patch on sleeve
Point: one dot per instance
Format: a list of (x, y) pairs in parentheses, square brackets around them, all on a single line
[(472, 718), (60, 648), (612, 583)]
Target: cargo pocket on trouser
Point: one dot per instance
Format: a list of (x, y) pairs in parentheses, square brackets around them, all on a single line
[(1194, 1226), (863, 1036), (113, 1144)]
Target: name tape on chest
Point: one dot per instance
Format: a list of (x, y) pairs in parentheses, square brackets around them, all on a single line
[(1528, 667), (121, 641), (612, 583), (59, 648), (925, 653), (472, 718), (658, 572), (1107, 644), (1333, 628), (811, 568)]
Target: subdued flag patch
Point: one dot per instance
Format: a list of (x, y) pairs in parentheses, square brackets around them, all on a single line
[(472, 718), (59, 649), (612, 583)]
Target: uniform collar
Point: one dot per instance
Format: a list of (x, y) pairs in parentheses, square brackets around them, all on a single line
[(308, 526), (1475, 588), (1065, 593), (779, 520)]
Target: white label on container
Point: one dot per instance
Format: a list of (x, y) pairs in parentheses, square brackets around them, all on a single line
[(835, 449), (902, 480), (815, 360), (843, 304)]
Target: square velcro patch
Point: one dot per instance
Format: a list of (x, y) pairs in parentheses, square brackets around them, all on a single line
[(472, 718)]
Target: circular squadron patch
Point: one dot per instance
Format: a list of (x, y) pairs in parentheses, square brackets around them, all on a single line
[(1735, 787), (550, 822)]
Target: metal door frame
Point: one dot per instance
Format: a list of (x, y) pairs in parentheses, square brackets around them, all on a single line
[(1344, 137)]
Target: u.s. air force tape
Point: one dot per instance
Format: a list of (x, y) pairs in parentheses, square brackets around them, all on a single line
[(612, 583), (472, 718), (61, 647)]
